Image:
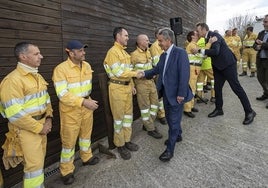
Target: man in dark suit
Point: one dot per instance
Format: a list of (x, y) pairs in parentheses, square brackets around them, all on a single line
[(261, 45), (174, 70), (224, 68)]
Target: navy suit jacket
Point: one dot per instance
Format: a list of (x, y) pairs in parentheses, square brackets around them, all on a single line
[(176, 77), (220, 53)]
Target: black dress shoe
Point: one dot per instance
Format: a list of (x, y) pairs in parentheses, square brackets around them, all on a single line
[(194, 109), (215, 113), (189, 114), (179, 139), (262, 98), (166, 156), (267, 105), (249, 118)]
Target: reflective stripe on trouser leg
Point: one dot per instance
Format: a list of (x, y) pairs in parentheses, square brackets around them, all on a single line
[(34, 179), (161, 111), (244, 66), (145, 115)]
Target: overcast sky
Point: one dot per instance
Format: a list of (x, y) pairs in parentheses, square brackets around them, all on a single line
[(219, 11)]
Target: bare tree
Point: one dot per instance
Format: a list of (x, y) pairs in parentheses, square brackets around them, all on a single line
[(241, 22)]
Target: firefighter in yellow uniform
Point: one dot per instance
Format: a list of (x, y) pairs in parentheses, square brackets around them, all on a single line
[(195, 66), (146, 89), (237, 45), (119, 69), (156, 51), (205, 72), (73, 84), (26, 104), (248, 53)]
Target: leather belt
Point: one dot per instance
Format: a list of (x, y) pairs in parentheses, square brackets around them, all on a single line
[(119, 82), (196, 64), (38, 117), (248, 46)]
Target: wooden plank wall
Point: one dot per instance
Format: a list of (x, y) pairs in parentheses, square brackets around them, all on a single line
[(52, 23)]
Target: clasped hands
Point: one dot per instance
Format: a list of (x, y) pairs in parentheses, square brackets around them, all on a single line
[(46, 127), (259, 43)]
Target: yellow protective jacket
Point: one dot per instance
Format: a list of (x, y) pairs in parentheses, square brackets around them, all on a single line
[(117, 64), (206, 64), (193, 58), (141, 60), (72, 83), (156, 51), (249, 40), (23, 96)]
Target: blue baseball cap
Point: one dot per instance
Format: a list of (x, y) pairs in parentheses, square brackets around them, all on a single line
[(75, 44)]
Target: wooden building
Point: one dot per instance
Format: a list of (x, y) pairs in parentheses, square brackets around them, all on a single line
[(50, 24)]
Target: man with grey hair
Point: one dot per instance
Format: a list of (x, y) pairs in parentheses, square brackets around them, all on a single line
[(173, 69)]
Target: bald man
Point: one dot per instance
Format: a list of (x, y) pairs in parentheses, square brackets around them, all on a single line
[(146, 89)]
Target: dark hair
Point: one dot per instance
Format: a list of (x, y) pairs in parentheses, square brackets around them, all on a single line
[(250, 28), (189, 36), (234, 29), (21, 48), (203, 25), (117, 30)]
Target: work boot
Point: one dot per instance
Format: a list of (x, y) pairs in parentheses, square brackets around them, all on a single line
[(131, 146), (92, 161), (124, 153), (163, 120), (68, 179), (155, 134), (212, 99), (252, 74), (243, 74)]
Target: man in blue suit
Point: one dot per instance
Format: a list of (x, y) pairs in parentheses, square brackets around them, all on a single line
[(224, 68), (173, 69)]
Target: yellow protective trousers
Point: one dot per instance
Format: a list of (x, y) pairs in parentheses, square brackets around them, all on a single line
[(34, 149), (194, 72), (201, 79), (1, 180), (249, 59), (120, 98), (76, 122), (148, 102)]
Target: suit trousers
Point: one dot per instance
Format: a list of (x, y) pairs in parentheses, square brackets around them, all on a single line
[(262, 74), (229, 74), (173, 116)]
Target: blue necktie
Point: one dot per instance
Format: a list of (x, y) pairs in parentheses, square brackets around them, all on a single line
[(164, 70)]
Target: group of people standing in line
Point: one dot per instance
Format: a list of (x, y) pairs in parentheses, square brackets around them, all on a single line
[(164, 77), (251, 52)]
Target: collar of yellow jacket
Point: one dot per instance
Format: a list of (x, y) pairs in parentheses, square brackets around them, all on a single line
[(25, 69), (71, 64), (120, 46)]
